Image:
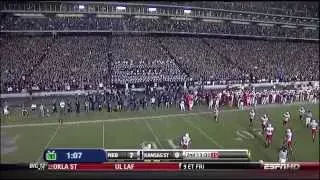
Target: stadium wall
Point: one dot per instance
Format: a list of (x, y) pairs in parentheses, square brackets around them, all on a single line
[(80, 92)]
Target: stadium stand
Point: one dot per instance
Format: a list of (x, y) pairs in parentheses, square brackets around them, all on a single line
[(77, 62), (153, 50)]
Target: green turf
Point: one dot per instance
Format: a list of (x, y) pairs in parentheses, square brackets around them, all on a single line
[(158, 126)]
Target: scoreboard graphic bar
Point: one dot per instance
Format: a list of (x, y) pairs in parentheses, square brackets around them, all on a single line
[(175, 166), (62, 155)]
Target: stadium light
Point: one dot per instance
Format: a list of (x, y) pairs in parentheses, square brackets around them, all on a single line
[(81, 7), (187, 11), (120, 8), (152, 9)]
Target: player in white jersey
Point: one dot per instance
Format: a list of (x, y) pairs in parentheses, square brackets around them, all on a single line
[(283, 155), (286, 118), (41, 110), (288, 139), (217, 101), (264, 121), (62, 111), (210, 103), (314, 100), (314, 127), (186, 141), (6, 110), (216, 113), (269, 132), (182, 106), (241, 104), (308, 118), (251, 117), (302, 112), (86, 106), (33, 107), (62, 104)]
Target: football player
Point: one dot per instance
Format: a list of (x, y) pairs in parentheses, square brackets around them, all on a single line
[(302, 111), (182, 105), (185, 141), (308, 118), (288, 138), (264, 121), (251, 117), (216, 113), (314, 127), (286, 118), (269, 132), (283, 155), (62, 111), (41, 110), (6, 110), (24, 110), (210, 106), (33, 107), (86, 106)]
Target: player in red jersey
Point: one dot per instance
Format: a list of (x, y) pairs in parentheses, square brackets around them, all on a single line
[(288, 138), (314, 127), (269, 132)]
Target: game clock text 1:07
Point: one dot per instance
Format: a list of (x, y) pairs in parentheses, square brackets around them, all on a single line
[(74, 155)]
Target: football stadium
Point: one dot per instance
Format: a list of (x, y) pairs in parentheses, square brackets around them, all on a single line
[(160, 76)]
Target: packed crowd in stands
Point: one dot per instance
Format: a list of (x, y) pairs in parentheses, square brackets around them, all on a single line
[(53, 64), (285, 61), (161, 24), (200, 60), (141, 59), (82, 62)]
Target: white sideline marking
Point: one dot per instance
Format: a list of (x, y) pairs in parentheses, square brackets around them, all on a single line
[(145, 117), (153, 133), (49, 142), (204, 133), (104, 120)]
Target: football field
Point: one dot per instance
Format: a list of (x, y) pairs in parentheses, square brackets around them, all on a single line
[(24, 139)]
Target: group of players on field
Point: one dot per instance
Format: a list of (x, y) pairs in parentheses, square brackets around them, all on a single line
[(268, 129)]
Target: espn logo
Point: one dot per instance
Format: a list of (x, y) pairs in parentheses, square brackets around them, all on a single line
[(281, 166)]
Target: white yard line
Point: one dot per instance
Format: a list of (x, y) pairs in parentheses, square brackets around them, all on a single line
[(161, 117), (103, 135), (203, 133), (49, 142), (153, 133)]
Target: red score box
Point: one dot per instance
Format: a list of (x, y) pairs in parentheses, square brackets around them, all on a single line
[(128, 167)]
